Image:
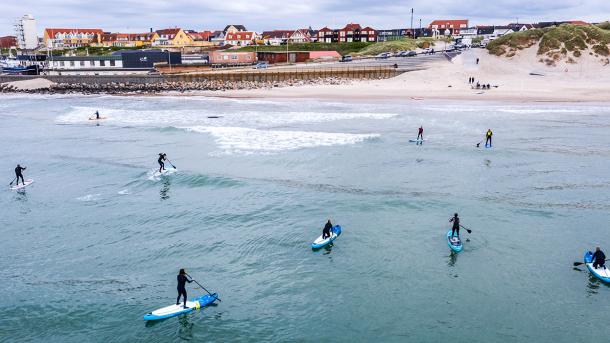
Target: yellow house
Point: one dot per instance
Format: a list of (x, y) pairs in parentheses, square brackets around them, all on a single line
[(173, 37)]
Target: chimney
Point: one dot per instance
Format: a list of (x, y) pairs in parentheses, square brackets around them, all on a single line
[(151, 30)]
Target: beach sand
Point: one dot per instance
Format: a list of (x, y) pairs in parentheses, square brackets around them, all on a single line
[(587, 80)]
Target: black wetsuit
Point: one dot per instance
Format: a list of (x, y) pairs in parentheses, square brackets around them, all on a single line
[(420, 134), (599, 259), (182, 280), (456, 226), (161, 164), (488, 138), (326, 230), (18, 174)]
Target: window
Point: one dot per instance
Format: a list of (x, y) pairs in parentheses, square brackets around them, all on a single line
[(82, 63), (71, 63), (61, 63), (102, 63), (233, 57), (225, 57), (342, 33), (112, 63), (92, 63)]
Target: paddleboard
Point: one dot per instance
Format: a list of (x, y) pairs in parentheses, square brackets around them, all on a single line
[(22, 185), (94, 118), (176, 310), (600, 273), (320, 242), (417, 140), (166, 171), (454, 242)]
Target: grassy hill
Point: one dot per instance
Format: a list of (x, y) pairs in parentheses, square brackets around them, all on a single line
[(556, 43)]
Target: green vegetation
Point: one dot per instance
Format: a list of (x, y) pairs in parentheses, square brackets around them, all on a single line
[(342, 48), (604, 26), (556, 42), (390, 46), (477, 40)]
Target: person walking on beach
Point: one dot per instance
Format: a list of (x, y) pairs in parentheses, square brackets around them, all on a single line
[(326, 230), (599, 258), (477, 60), (420, 134), (182, 280), (488, 138), (18, 174), (162, 157), (456, 225)]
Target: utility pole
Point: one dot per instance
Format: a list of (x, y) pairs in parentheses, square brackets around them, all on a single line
[(412, 35), (420, 32)]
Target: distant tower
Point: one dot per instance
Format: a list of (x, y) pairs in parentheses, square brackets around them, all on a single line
[(25, 30)]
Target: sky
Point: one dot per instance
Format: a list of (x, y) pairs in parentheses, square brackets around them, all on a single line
[(141, 15)]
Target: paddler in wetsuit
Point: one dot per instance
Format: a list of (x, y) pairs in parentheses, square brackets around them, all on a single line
[(97, 115), (182, 280), (326, 230), (18, 174), (599, 258), (160, 160), (420, 134), (488, 138), (456, 225)]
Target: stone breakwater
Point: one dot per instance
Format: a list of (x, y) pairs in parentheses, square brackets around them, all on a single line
[(165, 86)]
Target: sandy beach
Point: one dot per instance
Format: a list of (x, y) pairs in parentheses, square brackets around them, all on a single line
[(587, 80)]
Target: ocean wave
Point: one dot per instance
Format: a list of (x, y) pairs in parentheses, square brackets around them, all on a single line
[(245, 140)]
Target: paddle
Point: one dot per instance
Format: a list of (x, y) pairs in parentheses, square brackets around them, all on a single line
[(479, 143), (170, 162), (467, 230), (10, 184), (203, 287), (580, 263)]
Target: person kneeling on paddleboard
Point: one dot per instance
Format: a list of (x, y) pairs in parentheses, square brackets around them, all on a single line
[(326, 230), (599, 259), (420, 134), (182, 280), (18, 174), (162, 157), (456, 225)]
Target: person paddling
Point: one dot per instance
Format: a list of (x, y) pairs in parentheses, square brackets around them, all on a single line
[(420, 133), (18, 174), (599, 259), (488, 138), (182, 280), (456, 225), (326, 230), (162, 157), (97, 115)]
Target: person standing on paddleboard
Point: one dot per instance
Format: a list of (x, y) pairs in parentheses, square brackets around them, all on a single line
[(162, 157), (456, 225), (599, 258), (182, 280), (326, 230), (18, 174), (488, 138), (97, 115), (420, 134)]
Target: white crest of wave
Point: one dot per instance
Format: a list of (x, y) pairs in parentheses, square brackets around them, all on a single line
[(249, 141)]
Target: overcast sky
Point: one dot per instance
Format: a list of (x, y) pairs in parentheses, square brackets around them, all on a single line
[(140, 15)]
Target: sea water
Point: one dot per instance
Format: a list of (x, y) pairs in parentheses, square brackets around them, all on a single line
[(96, 242)]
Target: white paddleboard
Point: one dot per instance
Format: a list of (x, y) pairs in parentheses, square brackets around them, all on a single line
[(166, 171), (22, 185), (94, 118)]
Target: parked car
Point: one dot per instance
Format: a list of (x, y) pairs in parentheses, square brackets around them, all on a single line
[(261, 65), (411, 53), (483, 45), (426, 51), (347, 58), (450, 47), (398, 54), (383, 55)]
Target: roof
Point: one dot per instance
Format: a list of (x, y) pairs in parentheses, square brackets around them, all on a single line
[(277, 34), (325, 29), (368, 28), (200, 36), (578, 22), (487, 30), (87, 58), (52, 32), (238, 27), (452, 22), (352, 27), (108, 37), (168, 32)]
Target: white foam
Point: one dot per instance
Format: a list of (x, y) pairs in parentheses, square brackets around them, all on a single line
[(123, 192), (249, 141), (89, 197)]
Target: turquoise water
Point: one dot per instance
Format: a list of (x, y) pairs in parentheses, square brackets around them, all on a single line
[(97, 240)]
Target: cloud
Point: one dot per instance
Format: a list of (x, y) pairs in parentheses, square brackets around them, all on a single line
[(140, 15)]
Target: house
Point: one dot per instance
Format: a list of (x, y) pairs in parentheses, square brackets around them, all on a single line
[(500, 31), (273, 57), (203, 36), (234, 28), (129, 40), (521, 27), (350, 33), (240, 38), (450, 27), (278, 37), (217, 37), (485, 31), (175, 37), (71, 38), (228, 58), (8, 42)]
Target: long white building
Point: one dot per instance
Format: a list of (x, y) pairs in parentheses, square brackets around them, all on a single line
[(25, 31)]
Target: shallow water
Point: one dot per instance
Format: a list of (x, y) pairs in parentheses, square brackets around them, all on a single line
[(97, 240)]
